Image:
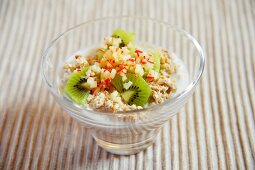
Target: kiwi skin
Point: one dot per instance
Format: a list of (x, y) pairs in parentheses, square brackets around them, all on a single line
[(74, 88), (138, 93)]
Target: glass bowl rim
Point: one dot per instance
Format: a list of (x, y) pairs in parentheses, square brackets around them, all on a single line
[(170, 101)]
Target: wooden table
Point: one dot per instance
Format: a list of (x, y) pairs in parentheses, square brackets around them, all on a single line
[(216, 129)]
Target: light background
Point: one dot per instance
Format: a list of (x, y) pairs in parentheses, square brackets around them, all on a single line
[(216, 129)]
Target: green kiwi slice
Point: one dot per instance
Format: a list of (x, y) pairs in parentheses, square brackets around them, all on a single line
[(125, 36), (131, 51), (74, 87), (156, 60), (138, 93)]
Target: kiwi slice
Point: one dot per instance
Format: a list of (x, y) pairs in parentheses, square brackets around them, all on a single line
[(125, 36), (74, 87), (138, 93), (156, 60), (156, 66), (131, 51)]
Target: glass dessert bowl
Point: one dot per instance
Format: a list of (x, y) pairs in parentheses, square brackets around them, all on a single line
[(124, 132)]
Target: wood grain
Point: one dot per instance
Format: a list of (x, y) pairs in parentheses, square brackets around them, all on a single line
[(216, 129)]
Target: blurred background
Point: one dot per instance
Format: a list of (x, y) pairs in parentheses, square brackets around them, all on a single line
[(216, 129)]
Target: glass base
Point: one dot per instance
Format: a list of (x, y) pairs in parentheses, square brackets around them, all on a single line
[(125, 149)]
